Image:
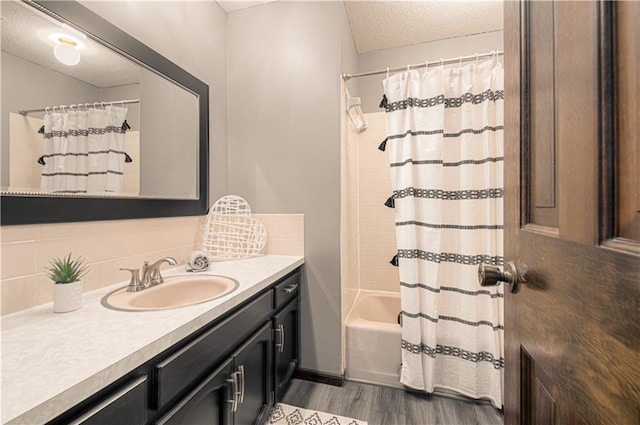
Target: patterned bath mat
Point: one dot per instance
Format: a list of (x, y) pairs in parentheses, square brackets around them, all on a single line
[(283, 414)]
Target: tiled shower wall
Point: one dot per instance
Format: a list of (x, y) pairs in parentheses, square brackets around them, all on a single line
[(109, 245), (349, 271), (368, 239), (377, 237)]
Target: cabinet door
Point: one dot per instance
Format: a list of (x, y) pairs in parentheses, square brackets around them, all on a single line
[(190, 364), (210, 403), (286, 346), (252, 364)]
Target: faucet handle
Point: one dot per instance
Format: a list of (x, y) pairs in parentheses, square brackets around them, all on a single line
[(134, 284), (156, 278)]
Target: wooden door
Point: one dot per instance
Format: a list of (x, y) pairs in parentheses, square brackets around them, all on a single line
[(572, 203)]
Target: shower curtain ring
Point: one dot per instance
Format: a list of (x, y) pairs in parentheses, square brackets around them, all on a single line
[(477, 57), (387, 72), (442, 62), (460, 63), (103, 107)]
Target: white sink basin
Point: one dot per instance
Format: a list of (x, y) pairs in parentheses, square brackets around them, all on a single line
[(176, 291)]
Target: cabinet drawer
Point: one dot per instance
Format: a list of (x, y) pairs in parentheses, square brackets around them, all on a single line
[(188, 365), (286, 290), (126, 406)]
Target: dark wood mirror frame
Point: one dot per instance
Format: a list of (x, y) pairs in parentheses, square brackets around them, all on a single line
[(42, 209)]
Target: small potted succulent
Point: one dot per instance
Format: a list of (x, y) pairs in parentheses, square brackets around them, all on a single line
[(67, 289)]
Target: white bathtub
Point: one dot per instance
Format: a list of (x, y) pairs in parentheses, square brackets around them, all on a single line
[(373, 339)]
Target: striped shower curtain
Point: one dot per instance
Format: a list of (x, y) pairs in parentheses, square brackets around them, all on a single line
[(83, 151), (445, 144)]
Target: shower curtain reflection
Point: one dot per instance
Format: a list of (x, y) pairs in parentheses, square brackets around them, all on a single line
[(84, 150)]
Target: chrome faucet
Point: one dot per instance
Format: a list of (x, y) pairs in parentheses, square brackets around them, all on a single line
[(150, 274)]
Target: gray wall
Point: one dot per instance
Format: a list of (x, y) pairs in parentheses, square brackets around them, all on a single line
[(126, 92), (370, 88), (284, 65), (26, 85), (193, 35), (168, 115), (283, 155)]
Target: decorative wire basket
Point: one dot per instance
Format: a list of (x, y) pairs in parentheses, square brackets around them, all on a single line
[(230, 232)]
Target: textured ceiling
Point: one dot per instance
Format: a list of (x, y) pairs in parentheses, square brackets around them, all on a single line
[(384, 24), (377, 25), (233, 5), (25, 33)]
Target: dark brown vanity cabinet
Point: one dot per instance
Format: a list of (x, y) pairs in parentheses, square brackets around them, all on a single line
[(286, 346), (211, 402), (237, 393), (230, 372), (123, 406), (286, 331), (254, 375)]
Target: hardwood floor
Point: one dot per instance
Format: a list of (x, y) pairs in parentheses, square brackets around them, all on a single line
[(388, 406)]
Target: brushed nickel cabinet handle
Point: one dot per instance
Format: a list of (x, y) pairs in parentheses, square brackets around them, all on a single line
[(241, 373), (234, 387), (281, 326), (289, 289), (278, 331)]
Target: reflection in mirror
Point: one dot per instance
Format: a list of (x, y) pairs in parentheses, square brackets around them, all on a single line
[(169, 110), (80, 119)]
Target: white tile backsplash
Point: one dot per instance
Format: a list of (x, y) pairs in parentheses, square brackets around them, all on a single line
[(109, 245)]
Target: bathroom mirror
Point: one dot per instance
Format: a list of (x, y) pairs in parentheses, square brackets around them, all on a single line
[(164, 140)]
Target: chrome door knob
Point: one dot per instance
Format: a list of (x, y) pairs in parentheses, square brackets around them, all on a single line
[(489, 275)]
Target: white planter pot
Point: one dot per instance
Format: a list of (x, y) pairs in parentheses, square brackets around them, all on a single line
[(67, 296)]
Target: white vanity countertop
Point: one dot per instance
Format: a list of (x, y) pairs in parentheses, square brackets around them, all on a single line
[(51, 362)]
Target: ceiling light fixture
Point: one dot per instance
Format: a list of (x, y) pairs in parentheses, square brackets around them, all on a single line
[(66, 52)]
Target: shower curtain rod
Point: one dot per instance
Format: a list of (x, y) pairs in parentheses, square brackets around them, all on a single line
[(347, 77), (114, 102)]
